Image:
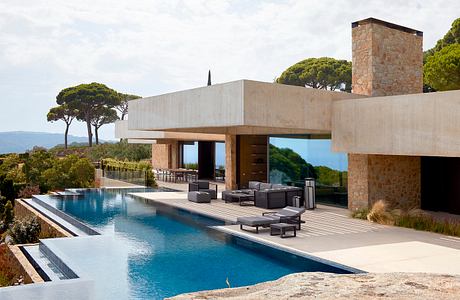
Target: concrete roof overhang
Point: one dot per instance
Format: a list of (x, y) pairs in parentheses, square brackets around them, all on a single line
[(417, 124), (154, 137), (238, 107)]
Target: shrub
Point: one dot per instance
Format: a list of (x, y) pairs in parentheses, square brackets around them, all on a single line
[(360, 213), (379, 214), (413, 218), (28, 191), (25, 231), (145, 167), (82, 174), (38, 161), (70, 171)]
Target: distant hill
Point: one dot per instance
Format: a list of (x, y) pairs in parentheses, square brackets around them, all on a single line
[(21, 141)]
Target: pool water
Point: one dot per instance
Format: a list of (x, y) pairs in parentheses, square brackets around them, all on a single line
[(172, 251)]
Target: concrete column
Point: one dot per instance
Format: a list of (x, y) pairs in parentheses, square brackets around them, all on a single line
[(230, 162)]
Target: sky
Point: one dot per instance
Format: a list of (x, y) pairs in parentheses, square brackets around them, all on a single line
[(149, 47)]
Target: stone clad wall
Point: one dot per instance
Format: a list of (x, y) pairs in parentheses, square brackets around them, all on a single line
[(358, 193), (392, 178), (386, 61), (395, 179), (160, 156)]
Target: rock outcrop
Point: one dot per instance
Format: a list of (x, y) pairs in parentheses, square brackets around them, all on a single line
[(350, 286)]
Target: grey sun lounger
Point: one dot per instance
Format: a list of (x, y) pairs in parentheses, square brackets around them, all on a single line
[(257, 221), (289, 214)]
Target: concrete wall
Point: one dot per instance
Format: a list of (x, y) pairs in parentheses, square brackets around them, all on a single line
[(148, 137), (240, 107), (418, 124), (48, 228), (216, 105)]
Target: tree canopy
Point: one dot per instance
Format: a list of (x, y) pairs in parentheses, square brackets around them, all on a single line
[(319, 73), (290, 163), (101, 116), (442, 69), (452, 37), (123, 106), (64, 113), (88, 98)]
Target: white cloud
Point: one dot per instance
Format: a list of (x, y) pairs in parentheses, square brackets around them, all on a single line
[(150, 47)]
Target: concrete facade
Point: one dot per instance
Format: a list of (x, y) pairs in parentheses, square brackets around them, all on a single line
[(385, 125), (418, 124), (150, 136), (239, 107)]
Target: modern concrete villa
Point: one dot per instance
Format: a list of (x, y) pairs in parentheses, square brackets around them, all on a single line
[(179, 237), (397, 138)]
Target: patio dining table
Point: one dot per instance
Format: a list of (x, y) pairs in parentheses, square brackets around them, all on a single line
[(184, 174)]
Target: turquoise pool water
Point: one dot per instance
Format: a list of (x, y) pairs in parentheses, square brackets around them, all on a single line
[(172, 251)]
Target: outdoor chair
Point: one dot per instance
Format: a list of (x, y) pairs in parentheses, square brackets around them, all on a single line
[(256, 222), (289, 214), (203, 186)]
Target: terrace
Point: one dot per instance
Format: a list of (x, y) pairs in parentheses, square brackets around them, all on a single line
[(330, 234)]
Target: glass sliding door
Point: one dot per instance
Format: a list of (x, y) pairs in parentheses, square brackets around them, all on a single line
[(292, 159)]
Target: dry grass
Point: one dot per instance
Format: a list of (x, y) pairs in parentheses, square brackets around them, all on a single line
[(414, 218), (379, 214)]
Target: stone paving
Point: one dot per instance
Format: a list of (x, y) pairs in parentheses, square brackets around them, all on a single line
[(330, 234)]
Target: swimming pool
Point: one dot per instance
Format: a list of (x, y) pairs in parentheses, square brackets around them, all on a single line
[(171, 251)]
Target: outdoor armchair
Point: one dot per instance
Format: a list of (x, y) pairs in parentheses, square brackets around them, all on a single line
[(203, 186)]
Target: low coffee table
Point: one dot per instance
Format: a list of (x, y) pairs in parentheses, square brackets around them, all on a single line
[(281, 229), (243, 198)]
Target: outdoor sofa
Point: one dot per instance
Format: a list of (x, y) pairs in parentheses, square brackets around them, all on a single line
[(267, 195), (289, 215)]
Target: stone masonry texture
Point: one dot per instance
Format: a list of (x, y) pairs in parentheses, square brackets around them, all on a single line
[(386, 61)]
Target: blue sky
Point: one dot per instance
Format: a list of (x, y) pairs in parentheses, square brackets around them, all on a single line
[(149, 47)]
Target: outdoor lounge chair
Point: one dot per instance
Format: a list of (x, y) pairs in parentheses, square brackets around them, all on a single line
[(257, 221), (289, 214)]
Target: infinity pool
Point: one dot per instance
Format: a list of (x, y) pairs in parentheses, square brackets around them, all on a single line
[(172, 251)]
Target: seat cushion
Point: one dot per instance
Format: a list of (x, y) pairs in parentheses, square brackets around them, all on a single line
[(199, 197), (257, 220), (265, 186), (211, 192), (254, 185)]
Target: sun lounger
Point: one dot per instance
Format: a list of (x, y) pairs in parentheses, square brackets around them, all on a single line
[(289, 214), (257, 221)]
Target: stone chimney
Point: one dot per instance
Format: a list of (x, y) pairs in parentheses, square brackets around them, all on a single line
[(387, 59)]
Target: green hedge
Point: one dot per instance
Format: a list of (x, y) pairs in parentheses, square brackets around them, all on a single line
[(110, 164)]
